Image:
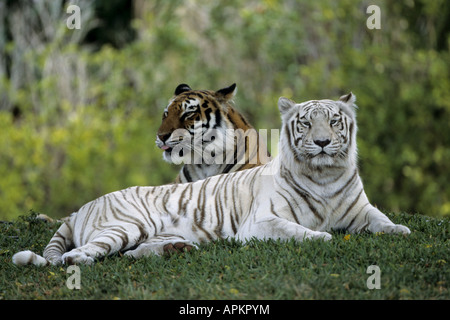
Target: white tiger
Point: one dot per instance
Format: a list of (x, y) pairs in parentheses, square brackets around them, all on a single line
[(312, 187)]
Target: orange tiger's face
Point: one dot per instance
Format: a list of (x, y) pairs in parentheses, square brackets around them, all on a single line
[(192, 115)]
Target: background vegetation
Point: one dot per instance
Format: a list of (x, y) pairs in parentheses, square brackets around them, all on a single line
[(79, 109)]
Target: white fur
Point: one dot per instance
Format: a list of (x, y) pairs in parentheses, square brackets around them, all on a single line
[(27, 257)]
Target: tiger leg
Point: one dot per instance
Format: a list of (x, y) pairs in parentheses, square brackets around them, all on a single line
[(160, 244), (379, 222), (109, 241), (58, 245), (273, 227)]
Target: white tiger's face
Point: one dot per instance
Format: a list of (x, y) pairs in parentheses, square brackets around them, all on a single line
[(320, 132)]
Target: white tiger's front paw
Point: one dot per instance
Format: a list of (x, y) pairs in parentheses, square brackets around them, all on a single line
[(76, 257), (325, 236), (397, 228)]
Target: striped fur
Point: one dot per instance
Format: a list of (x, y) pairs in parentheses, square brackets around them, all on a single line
[(208, 111), (312, 187)]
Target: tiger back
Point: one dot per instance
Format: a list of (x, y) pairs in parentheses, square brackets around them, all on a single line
[(202, 130)]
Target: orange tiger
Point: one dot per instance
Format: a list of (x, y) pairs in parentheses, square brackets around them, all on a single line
[(202, 130)]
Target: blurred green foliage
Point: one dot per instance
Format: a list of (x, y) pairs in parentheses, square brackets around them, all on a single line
[(79, 120)]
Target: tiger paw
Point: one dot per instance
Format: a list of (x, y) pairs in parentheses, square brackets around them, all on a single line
[(76, 257), (316, 235), (397, 228), (325, 236), (177, 247)]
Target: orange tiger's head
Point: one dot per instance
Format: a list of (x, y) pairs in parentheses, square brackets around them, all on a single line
[(200, 111)]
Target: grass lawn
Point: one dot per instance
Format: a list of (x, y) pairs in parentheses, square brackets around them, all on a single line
[(411, 267)]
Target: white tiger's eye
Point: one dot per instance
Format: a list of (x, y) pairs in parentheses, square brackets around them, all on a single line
[(306, 124), (333, 122)]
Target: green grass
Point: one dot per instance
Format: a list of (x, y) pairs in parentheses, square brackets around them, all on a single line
[(412, 267)]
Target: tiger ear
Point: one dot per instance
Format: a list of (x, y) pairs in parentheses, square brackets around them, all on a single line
[(227, 93), (182, 88), (285, 104), (348, 98), (349, 106)]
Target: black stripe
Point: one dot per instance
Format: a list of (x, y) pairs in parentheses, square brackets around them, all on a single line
[(351, 206), (353, 177), (203, 199), (306, 196), (148, 217), (286, 174), (207, 114), (272, 210), (288, 134), (165, 200), (126, 216), (241, 117), (186, 174), (290, 206), (230, 166), (218, 229), (105, 246), (181, 205), (356, 216), (218, 119), (92, 206)]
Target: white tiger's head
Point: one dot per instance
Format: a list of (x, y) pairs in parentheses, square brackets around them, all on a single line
[(319, 133)]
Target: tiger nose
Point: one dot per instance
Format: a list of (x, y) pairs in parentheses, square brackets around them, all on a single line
[(322, 143), (164, 137)]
